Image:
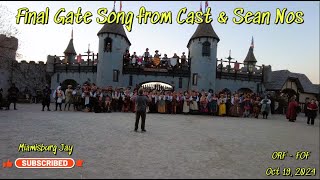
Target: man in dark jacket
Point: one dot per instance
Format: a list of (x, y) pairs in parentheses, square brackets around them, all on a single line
[(141, 103), (46, 97), (13, 92)]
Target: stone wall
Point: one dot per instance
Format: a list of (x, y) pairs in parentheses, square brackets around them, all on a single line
[(8, 49), (23, 74)]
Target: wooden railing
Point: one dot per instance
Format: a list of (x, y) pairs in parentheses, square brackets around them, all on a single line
[(239, 71)]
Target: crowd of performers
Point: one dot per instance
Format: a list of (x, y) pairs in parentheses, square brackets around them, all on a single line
[(90, 98), (147, 60)]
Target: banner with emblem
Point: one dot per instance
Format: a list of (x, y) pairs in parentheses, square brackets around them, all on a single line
[(173, 61), (156, 61)]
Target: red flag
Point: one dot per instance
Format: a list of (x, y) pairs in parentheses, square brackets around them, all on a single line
[(79, 58), (252, 44), (236, 66), (206, 4), (201, 6), (120, 6)]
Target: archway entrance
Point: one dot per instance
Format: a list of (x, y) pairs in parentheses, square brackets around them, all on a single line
[(159, 86), (245, 90), (288, 93), (67, 82)]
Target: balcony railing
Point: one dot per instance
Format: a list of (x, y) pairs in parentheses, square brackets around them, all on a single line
[(239, 71)]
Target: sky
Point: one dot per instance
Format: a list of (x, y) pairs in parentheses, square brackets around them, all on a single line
[(293, 47)]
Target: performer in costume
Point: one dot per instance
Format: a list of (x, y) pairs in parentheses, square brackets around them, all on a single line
[(153, 107), (312, 111), (107, 101), (133, 101), (235, 109), (86, 95), (121, 100), (46, 97), (265, 107), (204, 103), (247, 106), (69, 99), (146, 57), (58, 95), (174, 103), (183, 59), (168, 99), (162, 103), (13, 92), (292, 110), (186, 103), (194, 103), (77, 98), (126, 58), (180, 103), (98, 101), (214, 105), (134, 59), (222, 105), (115, 99), (126, 105), (256, 107)]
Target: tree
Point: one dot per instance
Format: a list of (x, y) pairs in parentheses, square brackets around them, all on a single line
[(6, 27)]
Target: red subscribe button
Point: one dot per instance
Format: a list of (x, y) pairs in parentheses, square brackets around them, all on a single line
[(44, 163)]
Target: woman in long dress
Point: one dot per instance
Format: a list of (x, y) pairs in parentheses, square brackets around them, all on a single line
[(186, 103), (292, 110), (214, 105), (69, 98), (126, 103), (162, 103), (247, 106), (194, 102), (174, 103), (203, 103), (256, 107), (222, 105), (235, 110)]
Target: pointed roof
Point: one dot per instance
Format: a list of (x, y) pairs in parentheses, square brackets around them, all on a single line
[(114, 28), (278, 79), (250, 56), (70, 48), (204, 30)]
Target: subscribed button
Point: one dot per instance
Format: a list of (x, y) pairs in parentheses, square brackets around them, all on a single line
[(44, 163)]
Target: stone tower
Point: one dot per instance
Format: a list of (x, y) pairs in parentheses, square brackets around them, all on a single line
[(113, 42), (203, 54), (70, 52)]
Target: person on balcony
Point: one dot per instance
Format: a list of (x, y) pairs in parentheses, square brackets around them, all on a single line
[(146, 57), (134, 59), (126, 58)]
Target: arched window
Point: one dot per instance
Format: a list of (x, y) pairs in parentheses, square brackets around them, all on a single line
[(108, 45), (206, 49)]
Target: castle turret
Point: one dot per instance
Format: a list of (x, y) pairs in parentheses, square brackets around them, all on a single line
[(70, 52), (250, 61), (113, 42), (203, 54)]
